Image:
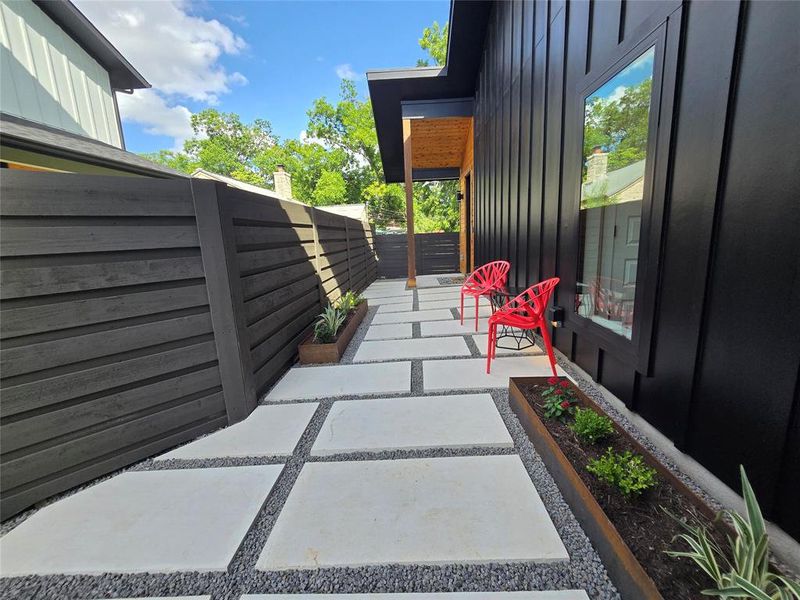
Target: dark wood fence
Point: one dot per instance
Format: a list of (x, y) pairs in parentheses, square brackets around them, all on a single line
[(136, 314), (435, 253)]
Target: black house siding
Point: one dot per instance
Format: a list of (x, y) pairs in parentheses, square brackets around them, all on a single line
[(716, 368)]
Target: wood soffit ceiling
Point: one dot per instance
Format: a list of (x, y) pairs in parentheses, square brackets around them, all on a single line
[(438, 143)]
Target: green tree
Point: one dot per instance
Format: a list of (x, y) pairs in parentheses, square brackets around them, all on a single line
[(349, 126), (436, 206), (330, 189), (341, 162), (619, 126), (434, 42)]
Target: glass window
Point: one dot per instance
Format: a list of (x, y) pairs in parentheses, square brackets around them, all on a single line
[(615, 133)]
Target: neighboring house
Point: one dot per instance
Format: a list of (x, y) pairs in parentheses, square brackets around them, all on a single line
[(354, 211), (684, 305), (58, 105), (620, 185), (249, 187)]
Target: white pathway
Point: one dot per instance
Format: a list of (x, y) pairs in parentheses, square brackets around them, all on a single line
[(343, 510)]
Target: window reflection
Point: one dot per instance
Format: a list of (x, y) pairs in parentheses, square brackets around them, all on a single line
[(615, 134)]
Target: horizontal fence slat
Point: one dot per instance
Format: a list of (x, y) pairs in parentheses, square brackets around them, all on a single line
[(250, 235), (52, 194), (34, 241), (103, 410), (55, 353), (63, 315), (45, 392), (58, 279), (260, 306), (32, 466)]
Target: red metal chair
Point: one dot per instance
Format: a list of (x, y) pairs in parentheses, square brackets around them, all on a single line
[(483, 281), (526, 311)]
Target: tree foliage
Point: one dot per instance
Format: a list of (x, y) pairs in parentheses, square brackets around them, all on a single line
[(434, 42), (338, 162), (619, 126)]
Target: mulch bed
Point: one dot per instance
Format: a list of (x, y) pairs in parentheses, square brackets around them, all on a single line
[(641, 522)]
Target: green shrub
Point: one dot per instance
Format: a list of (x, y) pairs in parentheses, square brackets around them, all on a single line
[(328, 324), (744, 571), (349, 301), (590, 426), (627, 472)]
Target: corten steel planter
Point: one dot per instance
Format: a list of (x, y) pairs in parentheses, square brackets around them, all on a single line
[(625, 571), (312, 353)]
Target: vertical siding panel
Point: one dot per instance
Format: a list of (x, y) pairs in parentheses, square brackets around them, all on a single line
[(709, 47), (526, 109), (754, 388)]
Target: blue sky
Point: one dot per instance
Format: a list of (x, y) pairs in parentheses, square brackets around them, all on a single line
[(259, 59), (640, 69)]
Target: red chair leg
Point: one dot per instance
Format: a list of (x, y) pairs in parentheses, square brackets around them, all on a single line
[(489, 349), (549, 347), (477, 302), (462, 307)]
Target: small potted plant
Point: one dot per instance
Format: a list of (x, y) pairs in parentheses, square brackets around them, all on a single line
[(333, 330)]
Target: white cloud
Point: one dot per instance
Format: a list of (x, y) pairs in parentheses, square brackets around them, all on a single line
[(345, 71), (618, 93), (149, 109), (308, 139), (642, 62), (177, 52)]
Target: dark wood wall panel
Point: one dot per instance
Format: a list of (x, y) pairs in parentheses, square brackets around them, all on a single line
[(138, 314), (108, 351), (720, 369), (287, 261)]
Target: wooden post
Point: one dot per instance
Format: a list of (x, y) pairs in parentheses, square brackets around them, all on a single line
[(323, 297), (412, 265), (349, 262), (218, 251)]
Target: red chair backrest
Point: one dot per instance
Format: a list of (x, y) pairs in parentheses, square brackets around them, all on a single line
[(491, 276), (531, 304)]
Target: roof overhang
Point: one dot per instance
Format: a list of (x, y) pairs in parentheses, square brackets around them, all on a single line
[(401, 93), (35, 137), (66, 15)]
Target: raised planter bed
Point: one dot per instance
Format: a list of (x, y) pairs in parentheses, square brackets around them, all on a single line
[(629, 535), (312, 353)]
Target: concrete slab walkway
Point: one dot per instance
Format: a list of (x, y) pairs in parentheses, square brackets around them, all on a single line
[(401, 468)]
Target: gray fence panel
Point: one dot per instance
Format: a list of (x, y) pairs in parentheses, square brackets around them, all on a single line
[(286, 261), (108, 353), (137, 314), (435, 253)]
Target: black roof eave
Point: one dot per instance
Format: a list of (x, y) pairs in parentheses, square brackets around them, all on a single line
[(122, 74), (389, 88)]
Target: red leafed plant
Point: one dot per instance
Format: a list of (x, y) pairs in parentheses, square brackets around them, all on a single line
[(559, 398)]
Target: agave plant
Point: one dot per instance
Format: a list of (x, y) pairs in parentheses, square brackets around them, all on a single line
[(349, 301), (328, 324), (745, 571)]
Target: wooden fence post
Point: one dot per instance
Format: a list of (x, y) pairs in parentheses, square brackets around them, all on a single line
[(218, 251), (323, 297), (349, 263)]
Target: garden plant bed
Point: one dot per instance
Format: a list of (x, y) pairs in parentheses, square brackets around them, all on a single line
[(312, 353), (631, 536)]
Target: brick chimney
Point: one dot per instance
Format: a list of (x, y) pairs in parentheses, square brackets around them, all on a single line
[(283, 182), (596, 164)]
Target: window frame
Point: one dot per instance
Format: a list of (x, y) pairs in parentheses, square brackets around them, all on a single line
[(635, 352)]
